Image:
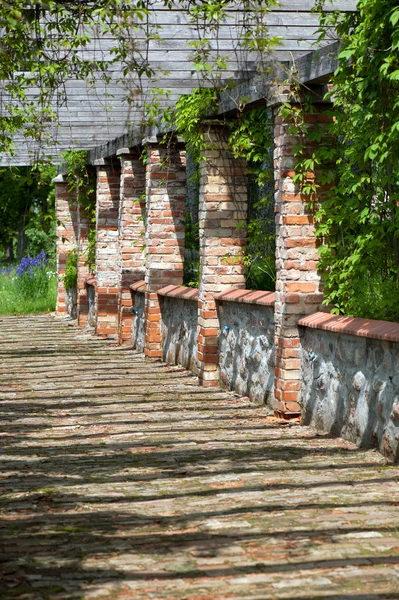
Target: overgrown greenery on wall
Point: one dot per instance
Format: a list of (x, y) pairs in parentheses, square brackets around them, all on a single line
[(250, 136), (358, 222), (81, 182)]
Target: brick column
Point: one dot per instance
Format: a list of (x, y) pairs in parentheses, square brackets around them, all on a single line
[(83, 269), (66, 216), (165, 209), (131, 237), (298, 284), (107, 249), (223, 206)]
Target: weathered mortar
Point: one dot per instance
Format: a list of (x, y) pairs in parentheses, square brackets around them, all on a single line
[(246, 350), (350, 388), (138, 321), (179, 332)]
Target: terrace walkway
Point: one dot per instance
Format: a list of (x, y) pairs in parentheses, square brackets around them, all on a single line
[(121, 478)]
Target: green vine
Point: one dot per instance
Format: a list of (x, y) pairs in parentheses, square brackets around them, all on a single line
[(250, 137), (81, 182), (70, 278), (354, 157), (191, 112)]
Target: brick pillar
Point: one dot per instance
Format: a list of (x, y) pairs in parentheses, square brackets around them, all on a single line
[(165, 209), (223, 206), (107, 249), (66, 216), (83, 269), (298, 284), (131, 237)]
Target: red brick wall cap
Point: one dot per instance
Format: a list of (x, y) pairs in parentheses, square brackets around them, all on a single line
[(248, 296), (138, 286), (91, 281), (179, 291), (369, 328)]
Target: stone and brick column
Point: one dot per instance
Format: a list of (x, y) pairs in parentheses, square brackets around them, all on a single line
[(222, 222), (298, 283), (131, 236), (165, 215), (107, 248), (67, 226)]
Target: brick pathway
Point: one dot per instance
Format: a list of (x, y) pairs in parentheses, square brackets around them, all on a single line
[(121, 479)]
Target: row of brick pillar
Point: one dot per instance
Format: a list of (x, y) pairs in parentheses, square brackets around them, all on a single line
[(140, 235)]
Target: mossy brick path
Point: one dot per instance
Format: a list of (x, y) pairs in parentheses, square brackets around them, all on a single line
[(122, 479)]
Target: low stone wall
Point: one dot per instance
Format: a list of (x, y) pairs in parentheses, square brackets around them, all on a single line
[(71, 302), (91, 300), (246, 343), (350, 380), (179, 313), (138, 301)]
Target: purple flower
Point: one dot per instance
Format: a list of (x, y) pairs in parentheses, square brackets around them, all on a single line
[(28, 264), (7, 271)]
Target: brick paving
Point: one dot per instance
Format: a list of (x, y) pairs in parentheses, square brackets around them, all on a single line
[(122, 479)]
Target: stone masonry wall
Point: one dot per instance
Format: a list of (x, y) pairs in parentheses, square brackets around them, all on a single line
[(138, 333), (246, 345), (179, 328), (91, 301), (350, 386)]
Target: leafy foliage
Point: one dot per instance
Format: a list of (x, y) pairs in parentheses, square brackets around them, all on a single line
[(27, 211), (359, 221), (191, 114), (71, 270), (81, 182), (250, 137)]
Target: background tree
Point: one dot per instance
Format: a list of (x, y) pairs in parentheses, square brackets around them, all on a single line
[(27, 211)]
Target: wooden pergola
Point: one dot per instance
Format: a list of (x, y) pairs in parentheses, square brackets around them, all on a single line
[(98, 117)]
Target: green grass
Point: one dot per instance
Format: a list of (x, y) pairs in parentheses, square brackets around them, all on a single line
[(14, 301)]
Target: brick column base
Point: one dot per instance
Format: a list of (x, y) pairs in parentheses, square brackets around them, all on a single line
[(67, 227), (166, 200), (107, 250), (298, 283), (223, 206), (131, 238)]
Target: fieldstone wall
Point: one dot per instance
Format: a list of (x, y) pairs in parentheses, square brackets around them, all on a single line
[(350, 386), (246, 344), (91, 299), (138, 327), (179, 326), (71, 301)]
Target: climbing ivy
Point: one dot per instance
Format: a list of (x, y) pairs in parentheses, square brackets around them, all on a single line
[(359, 220), (70, 278), (250, 137), (192, 112)]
